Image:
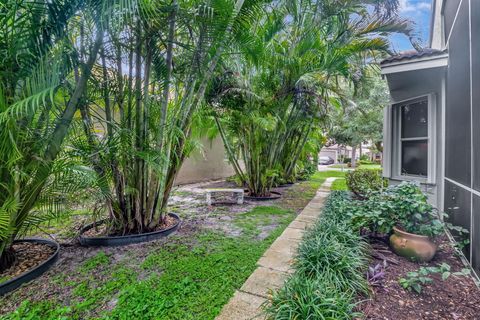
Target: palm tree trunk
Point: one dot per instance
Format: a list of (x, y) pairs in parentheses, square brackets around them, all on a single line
[(7, 256)]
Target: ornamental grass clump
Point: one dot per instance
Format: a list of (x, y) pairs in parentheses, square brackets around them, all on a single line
[(329, 270)]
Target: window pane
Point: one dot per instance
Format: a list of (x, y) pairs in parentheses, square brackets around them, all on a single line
[(415, 119), (415, 157)]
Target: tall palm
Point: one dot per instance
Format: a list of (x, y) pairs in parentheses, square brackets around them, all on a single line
[(150, 82), (38, 100), (302, 51)]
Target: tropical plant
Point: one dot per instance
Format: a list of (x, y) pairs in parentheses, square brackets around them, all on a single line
[(144, 97), (38, 100), (274, 97), (411, 211), (403, 205), (361, 117)]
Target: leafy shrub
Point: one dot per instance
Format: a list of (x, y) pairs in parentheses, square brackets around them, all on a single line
[(364, 157), (343, 159), (305, 169), (403, 205), (415, 279), (410, 210), (364, 181)]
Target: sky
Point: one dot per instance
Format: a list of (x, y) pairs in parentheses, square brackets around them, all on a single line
[(419, 12)]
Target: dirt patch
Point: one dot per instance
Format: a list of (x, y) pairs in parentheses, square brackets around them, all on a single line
[(29, 255), (457, 298)]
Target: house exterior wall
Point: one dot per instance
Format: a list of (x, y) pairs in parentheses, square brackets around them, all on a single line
[(210, 163), (405, 86), (456, 86), (462, 121)]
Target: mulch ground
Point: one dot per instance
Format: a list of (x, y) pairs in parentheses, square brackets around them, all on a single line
[(29, 255), (456, 298)]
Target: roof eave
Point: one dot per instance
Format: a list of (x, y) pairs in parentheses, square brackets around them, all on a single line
[(437, 61)]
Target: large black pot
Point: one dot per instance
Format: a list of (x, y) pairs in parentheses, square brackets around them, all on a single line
[(274, 195), (124, 240), (36, 272)]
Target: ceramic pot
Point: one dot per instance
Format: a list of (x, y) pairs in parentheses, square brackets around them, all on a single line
[(412, 246)]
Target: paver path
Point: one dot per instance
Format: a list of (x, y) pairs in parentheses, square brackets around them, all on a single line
[(275, 264)]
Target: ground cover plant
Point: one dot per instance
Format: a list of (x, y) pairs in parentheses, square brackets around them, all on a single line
[(329, 270), (456, 297), (191, 275)]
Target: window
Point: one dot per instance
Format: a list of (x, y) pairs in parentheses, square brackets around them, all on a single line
[(413, 140)]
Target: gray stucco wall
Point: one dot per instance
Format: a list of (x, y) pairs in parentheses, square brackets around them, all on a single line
[(404, 86)]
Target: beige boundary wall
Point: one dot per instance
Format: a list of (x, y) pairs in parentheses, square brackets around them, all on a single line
[(209, 163)]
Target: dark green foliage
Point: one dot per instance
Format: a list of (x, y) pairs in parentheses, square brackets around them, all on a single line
[(364, 181), (411, 211), (403, 205), (311, 299), (329, 269)]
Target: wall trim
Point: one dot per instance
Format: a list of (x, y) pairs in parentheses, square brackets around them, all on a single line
[(414, 65)]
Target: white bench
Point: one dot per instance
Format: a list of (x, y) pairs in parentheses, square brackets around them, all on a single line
[(235, 192)]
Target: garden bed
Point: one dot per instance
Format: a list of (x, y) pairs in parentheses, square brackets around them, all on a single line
[(342, 275), (95, 234), (33, 258), (274, 195), (457, 297)]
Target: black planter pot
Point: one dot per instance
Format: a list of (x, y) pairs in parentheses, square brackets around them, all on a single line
[(36, 272), (124, 240), (274, 195)]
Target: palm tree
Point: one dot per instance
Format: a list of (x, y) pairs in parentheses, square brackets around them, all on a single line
[(38, 101), (148, 86), (288, 78)]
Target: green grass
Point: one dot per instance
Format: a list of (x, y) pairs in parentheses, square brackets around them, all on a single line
[(192, 279), (189, 277), (363, 166), (338, 165), (339, 184), (94, 262)]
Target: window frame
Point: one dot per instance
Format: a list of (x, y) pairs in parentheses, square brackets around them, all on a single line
[(430, 138)]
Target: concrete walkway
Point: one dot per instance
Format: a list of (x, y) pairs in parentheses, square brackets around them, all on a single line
[(275, 264)]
